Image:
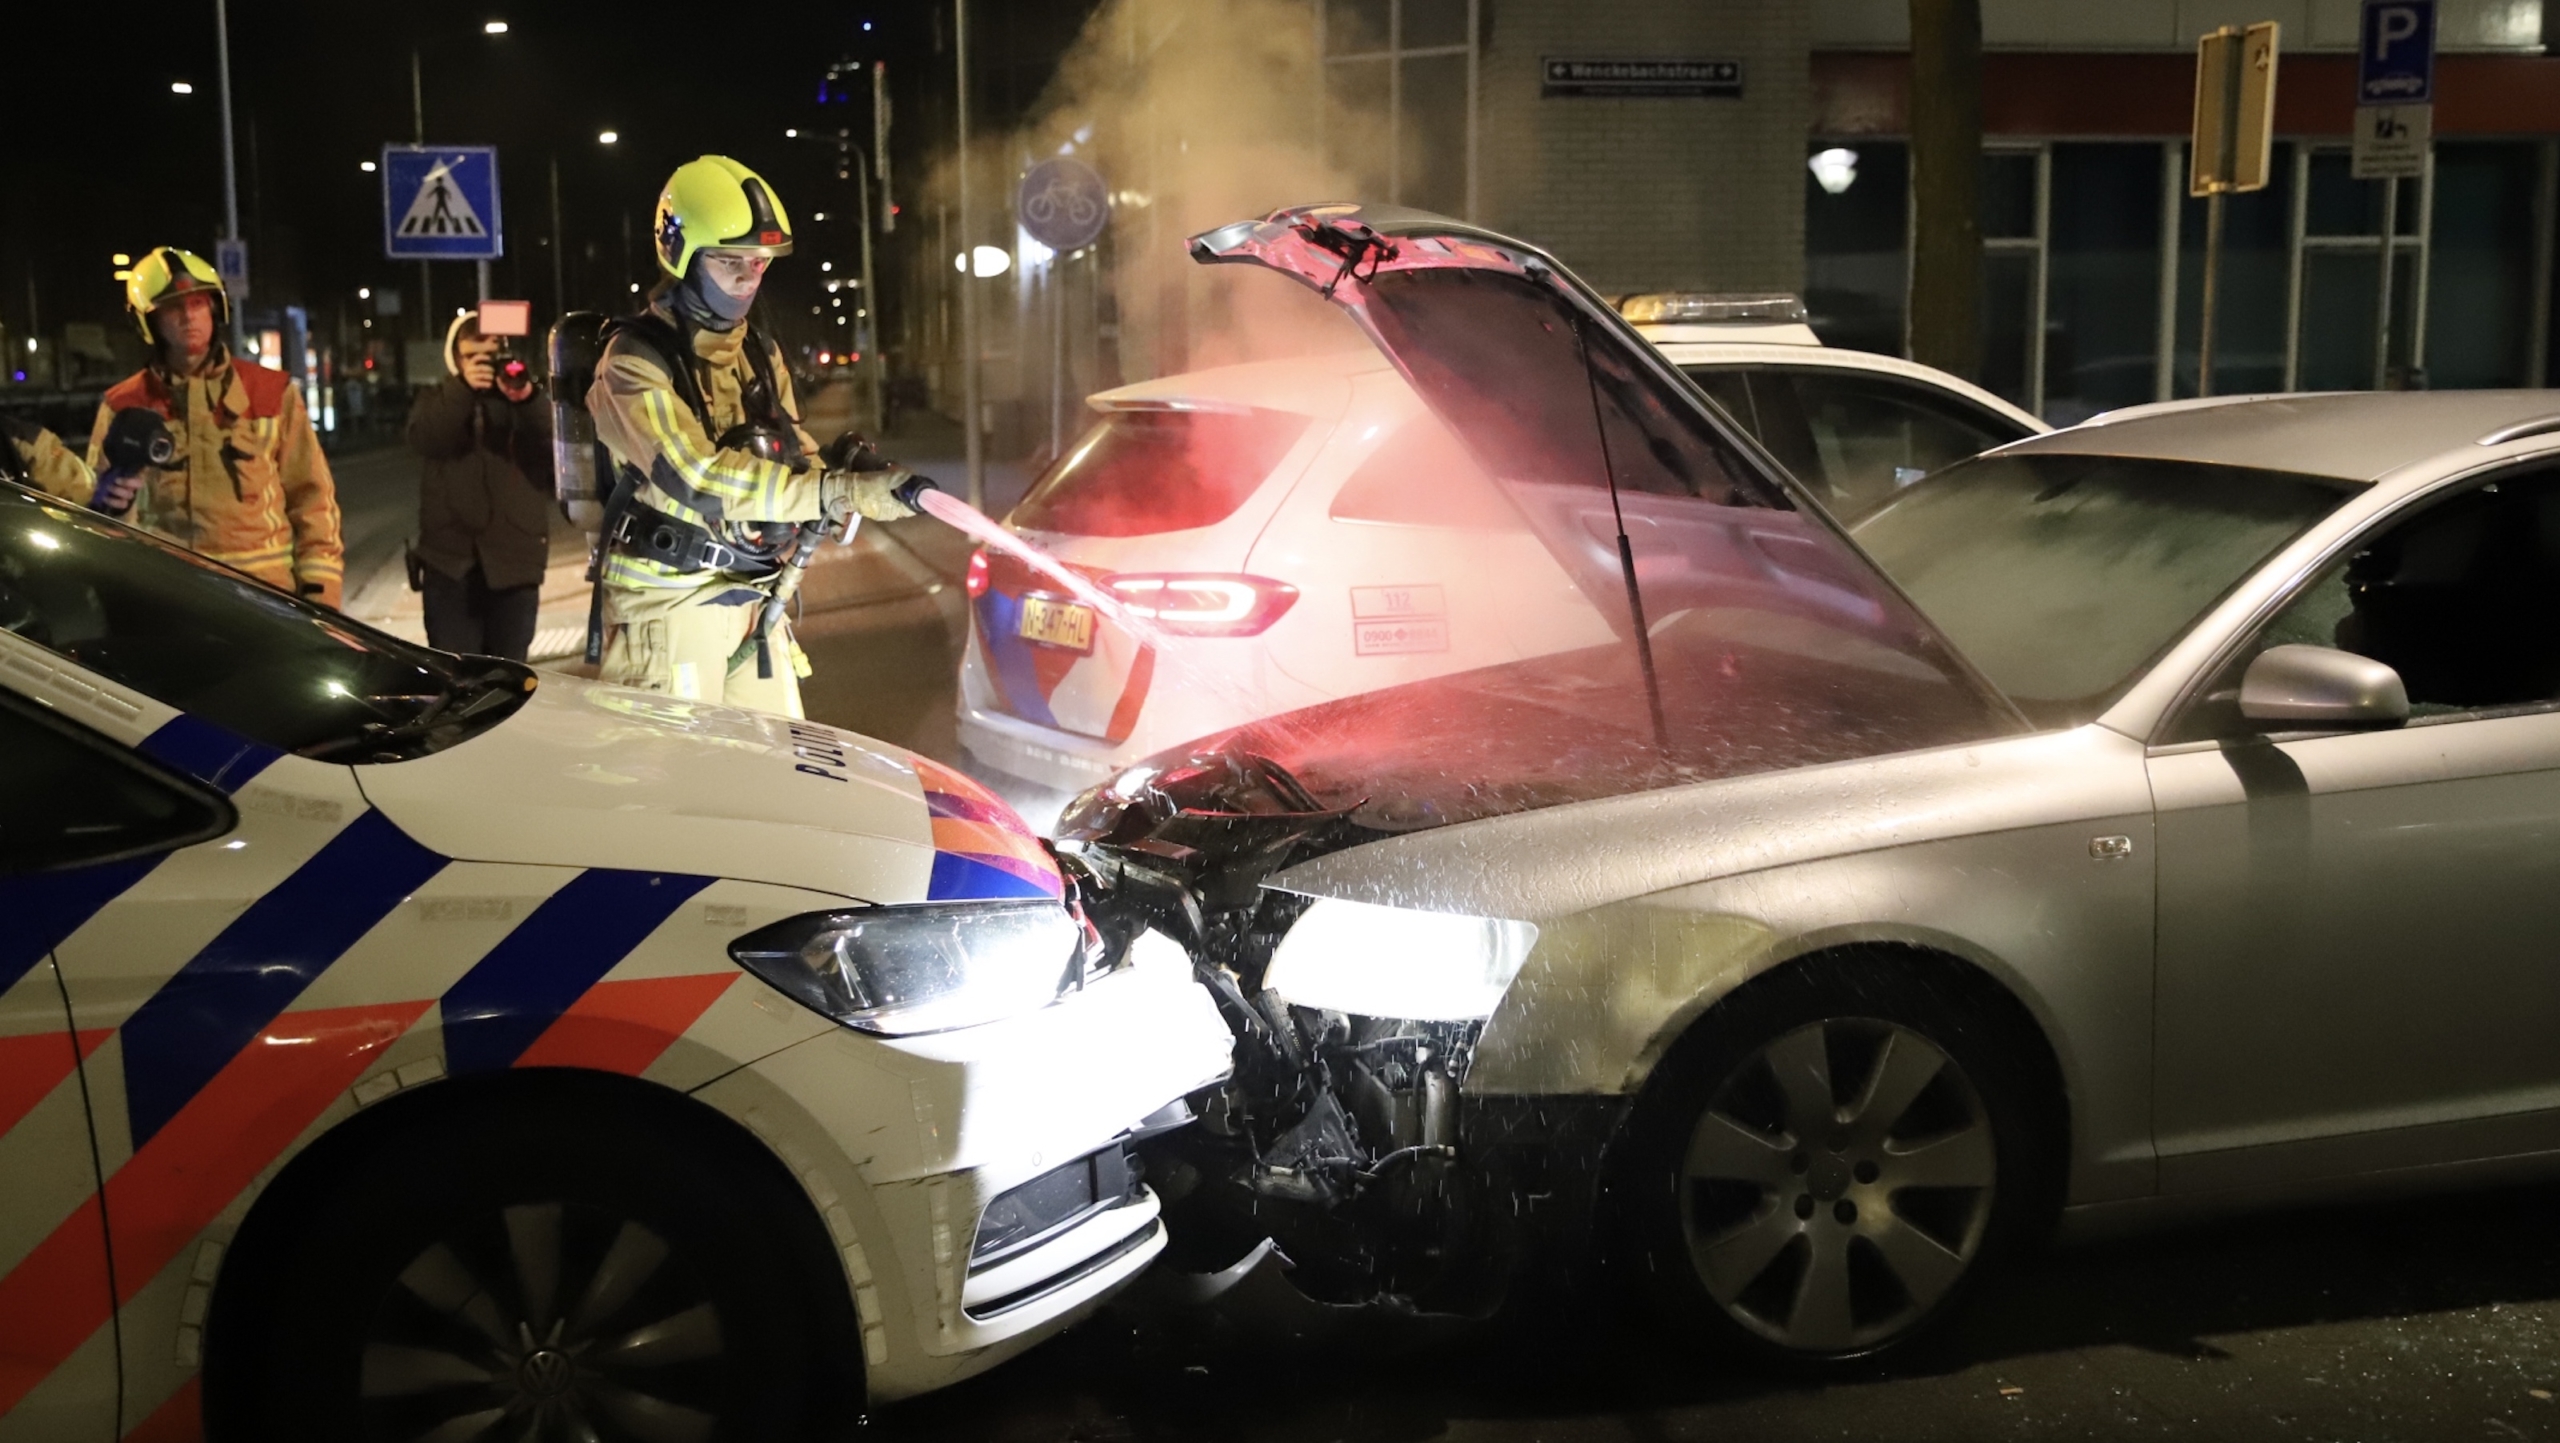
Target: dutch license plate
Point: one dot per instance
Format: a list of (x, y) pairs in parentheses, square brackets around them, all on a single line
[(1056, 623)]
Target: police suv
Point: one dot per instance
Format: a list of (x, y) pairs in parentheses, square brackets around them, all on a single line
[(396, 1045)]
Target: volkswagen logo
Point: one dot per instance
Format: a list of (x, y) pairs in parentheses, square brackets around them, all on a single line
[(546, 1372)]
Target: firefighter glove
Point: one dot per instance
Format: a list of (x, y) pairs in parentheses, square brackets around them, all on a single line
[(882, 495)]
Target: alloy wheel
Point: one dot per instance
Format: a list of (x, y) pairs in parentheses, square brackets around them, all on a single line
[(1837, 1186), (545, 1321)]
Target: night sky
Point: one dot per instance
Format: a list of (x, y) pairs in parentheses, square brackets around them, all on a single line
[(102, 157)]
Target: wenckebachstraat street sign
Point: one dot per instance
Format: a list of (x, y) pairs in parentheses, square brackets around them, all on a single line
[(440, 202)]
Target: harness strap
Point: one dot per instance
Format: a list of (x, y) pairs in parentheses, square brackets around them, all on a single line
[(686, 548)]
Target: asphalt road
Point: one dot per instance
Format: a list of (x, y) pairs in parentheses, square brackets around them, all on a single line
[(2420, 1321)]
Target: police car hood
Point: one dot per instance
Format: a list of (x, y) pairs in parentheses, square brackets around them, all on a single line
[(590, 775)]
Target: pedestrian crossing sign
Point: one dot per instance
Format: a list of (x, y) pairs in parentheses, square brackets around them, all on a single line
[(440, 202)]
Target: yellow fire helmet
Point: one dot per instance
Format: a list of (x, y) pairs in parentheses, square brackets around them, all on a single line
[(168, 274), (714, 203)]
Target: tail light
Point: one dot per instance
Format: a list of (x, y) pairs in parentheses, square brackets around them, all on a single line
[(977, 578), (1198, 605)]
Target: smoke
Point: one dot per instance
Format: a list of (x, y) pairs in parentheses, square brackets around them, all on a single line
[(1201, 112)]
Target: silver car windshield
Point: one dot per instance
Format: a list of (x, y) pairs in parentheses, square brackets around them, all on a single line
[(2061, 577)]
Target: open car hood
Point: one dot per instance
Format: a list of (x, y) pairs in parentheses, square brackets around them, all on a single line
[(1751, 635)]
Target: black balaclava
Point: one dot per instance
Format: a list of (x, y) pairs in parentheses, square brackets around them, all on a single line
[(703, 303)]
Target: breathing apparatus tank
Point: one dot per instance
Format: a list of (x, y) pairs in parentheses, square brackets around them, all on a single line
[(581, 468)]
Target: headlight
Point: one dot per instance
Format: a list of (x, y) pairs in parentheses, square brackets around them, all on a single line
[(1395, 962), (903, 970)]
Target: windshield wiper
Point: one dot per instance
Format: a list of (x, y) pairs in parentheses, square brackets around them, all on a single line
[(1626, 548), (458, 702)]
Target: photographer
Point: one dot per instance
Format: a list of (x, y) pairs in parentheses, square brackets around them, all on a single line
[(484, 503)]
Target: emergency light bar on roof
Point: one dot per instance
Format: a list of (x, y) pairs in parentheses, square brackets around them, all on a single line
[(1671, 307)]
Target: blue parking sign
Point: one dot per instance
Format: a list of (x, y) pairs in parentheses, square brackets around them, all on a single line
[(440, 202), (2397, 60)]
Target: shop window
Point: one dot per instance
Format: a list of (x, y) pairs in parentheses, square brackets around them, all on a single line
[(1857, 268), (2251, 296), (1399, 86), (2102, 296), (2480, 288)]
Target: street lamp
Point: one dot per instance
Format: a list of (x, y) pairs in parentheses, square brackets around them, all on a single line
[(366, 166), (608, 137), (180, 87), (494, 27)]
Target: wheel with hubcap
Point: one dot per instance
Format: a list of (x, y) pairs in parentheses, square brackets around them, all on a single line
[(1825, 1166), (558, 1270), (545, 1320)]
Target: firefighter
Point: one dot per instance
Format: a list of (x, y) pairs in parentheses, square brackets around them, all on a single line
[(38, 458), (719, 492), (247, 485)]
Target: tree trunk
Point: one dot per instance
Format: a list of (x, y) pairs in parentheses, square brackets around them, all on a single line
[(1945, 324)]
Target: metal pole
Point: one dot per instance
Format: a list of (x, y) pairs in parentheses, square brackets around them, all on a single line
[(418, 123), (971, 422), (1057, 351), (2164, 339), (880, 145), (2039, 312), (2297, 226), (559, 287), (484, 279), (2422, 267), (2546, 230), (866, 327), (2212, 277), (2382, 285), (230, 168)]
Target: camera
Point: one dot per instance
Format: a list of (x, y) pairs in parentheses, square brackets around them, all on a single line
[(513, 370)]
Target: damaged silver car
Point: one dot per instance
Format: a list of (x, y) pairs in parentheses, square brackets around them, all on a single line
[(2146, 820)]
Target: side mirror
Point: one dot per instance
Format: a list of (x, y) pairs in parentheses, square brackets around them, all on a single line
[(2319, 686)]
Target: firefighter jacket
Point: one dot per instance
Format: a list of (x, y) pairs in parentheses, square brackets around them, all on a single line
[(485, 496), (250, 488), (646, 424), (50, 464)]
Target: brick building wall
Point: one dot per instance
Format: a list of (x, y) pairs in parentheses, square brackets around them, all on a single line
[(1654, 193)]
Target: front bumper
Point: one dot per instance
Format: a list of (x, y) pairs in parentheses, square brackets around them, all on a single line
[(903, 1143)]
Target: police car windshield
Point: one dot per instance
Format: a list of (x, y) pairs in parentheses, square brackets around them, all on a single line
[(214, 644)]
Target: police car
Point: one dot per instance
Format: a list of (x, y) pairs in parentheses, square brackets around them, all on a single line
[(1301, 530), (396, 1045)]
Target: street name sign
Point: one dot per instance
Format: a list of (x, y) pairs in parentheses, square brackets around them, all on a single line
[(440, 203), (1641, 79)]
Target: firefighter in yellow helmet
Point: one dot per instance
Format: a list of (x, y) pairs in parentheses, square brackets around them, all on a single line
[(719, 491), (245, 483)]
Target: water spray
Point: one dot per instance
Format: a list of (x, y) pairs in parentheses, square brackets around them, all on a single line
[(959, 515)]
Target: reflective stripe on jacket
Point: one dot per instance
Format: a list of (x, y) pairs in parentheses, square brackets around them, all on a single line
[(250, 488), (51, 465), (646, 424)]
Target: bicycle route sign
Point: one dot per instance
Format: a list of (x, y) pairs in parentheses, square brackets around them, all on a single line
[(1063, 204)]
